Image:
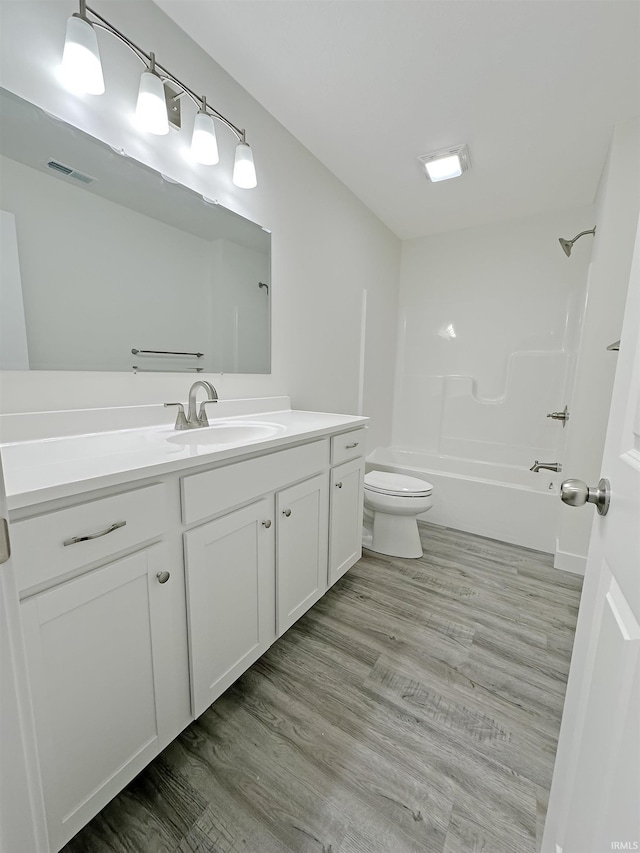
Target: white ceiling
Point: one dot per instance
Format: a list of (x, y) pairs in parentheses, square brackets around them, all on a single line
[(533, 86)]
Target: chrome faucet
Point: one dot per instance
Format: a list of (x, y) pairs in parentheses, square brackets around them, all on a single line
[(549, 466), (195, 419)]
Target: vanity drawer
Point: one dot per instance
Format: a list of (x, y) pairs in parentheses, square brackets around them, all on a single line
[(346, 446), (40, 554), (213, 492)]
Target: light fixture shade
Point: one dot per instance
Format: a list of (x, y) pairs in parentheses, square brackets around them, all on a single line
[(81, 67), (151, 110), (244, 171), (204, 145)]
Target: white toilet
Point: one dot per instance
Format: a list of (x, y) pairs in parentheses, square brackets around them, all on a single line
[(392, 504)]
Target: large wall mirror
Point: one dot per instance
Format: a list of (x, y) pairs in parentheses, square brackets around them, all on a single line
[(106, 265)]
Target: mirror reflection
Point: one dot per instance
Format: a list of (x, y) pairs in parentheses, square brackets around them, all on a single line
[(106, 265)]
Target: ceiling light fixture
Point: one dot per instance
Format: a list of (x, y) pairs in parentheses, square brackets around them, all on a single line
[(157, 105), (446, 163)]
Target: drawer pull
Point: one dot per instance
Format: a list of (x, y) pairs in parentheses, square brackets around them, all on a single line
[(75, 539), (286, 512), (267, 523), (338, 485), (163, 577), (351, 446)]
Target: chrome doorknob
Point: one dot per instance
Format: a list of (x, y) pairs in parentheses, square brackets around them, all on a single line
[(577, 493)]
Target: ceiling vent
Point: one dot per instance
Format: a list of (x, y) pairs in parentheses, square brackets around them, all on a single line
[(446, 163), (70, 172)]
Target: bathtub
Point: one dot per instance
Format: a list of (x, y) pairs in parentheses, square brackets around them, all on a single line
[(503, 502)]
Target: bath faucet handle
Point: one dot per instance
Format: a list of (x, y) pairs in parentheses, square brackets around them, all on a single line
[(560, 416), (203, 420), (548, 466), (181, 418)]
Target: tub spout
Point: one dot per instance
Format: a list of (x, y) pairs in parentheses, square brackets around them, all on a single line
[(549, 466)]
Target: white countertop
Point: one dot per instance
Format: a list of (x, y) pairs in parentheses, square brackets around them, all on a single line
[(49, 468)]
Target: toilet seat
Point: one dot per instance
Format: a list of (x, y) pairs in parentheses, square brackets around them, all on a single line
[(398, 485)]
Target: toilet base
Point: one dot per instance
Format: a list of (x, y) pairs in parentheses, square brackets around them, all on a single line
[(393, 535)]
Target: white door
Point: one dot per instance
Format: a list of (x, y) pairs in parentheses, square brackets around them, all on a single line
[(231, 597), (345, 517), (96, 647), (302, 534), (22, 818), (594, 804)]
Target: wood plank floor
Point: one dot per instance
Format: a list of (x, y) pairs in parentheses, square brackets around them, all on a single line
[(416, 707)]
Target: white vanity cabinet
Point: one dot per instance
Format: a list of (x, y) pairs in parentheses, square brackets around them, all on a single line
[(301, 548), (345, 522), (96, 651), (250, 575), (252, 572), (231, 598), (144, 601), (347, 494)]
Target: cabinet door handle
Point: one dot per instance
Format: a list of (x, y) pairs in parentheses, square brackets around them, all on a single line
[(163, 577), (75, 539), (286, 512), (267, 523), (351, 446), (338, 485)]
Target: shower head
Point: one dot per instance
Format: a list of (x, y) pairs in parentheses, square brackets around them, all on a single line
[(567, 245)]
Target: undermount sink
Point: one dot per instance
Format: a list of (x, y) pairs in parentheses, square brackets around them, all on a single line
[(235, 433)]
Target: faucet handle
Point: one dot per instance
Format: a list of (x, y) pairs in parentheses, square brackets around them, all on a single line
[(203, 420), (181, 419)]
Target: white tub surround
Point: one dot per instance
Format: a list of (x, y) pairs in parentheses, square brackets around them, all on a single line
[(154, 566), (488, 327), (503, 502)]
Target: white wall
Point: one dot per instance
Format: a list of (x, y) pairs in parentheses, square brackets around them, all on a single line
[(488, 319), (327, 248), (617, 203)]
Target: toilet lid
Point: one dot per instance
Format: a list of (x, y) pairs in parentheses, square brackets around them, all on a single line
[(401, 485)]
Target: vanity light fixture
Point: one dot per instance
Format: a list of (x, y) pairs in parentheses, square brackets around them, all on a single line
[(446, 163), (151, 109), (81, 65), (204, 145), (244, 173), (157, 106)]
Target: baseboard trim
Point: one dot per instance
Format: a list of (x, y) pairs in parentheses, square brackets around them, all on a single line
[(567, 562)]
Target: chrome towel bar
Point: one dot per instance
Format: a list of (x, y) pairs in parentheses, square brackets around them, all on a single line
[(165, 352), (137, 369)]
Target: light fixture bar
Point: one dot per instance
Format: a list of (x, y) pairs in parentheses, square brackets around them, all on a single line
[(146, 58)]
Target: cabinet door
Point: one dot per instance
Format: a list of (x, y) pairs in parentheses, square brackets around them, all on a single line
[(231, 598), (301, 548), (345, 523), (95, 665)]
